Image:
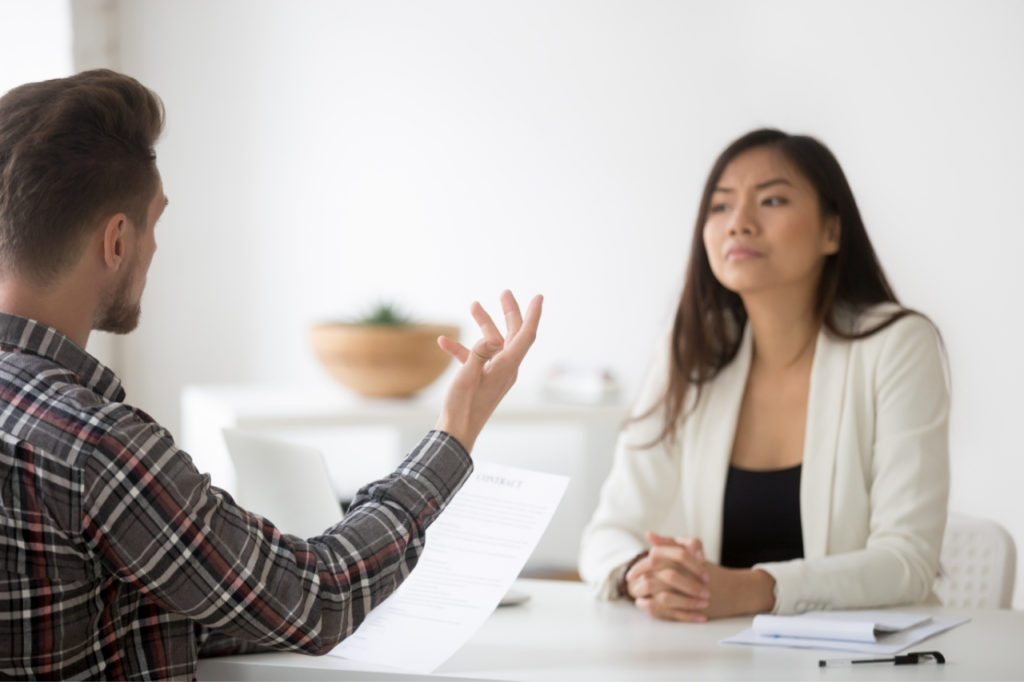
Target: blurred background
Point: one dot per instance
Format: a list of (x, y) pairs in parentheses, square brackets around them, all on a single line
[(322, 155)]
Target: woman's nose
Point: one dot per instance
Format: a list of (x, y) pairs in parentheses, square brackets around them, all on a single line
[(742, 220)]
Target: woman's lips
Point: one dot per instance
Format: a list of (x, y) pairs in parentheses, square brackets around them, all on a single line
[(742, 253)]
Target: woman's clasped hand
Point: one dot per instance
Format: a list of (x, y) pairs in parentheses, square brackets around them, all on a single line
[(673, 580)]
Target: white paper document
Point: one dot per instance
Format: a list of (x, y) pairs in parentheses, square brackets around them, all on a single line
[(865, 631), (474, 551)]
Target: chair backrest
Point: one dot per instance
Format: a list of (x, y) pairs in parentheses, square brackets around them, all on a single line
[(977, 564), (284, 482)]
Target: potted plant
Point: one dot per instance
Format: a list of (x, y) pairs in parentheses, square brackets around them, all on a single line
[(383, 353)]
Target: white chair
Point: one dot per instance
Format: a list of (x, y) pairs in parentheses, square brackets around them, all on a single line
[(977, 564), (286, 483)]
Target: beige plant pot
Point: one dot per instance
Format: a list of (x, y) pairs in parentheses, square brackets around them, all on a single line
[(382, 361)]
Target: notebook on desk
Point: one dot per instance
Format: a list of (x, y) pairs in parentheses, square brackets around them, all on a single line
[(865, 631)]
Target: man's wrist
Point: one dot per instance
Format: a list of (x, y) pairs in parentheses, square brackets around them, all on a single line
[(458, 434)]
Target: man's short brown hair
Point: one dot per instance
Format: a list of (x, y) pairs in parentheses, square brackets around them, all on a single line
[(73, 151)]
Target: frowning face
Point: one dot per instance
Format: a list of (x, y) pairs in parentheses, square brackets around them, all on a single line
[(765, 228)]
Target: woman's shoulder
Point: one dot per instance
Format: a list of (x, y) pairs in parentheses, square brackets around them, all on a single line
[(898, 341), (885, 321)]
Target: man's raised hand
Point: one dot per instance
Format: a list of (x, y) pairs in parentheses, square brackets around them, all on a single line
[(489, 368)]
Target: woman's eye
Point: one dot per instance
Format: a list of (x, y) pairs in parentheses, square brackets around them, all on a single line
[(717, 208), (774, 201)]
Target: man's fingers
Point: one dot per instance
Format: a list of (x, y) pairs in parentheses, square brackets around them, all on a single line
[(492, 342), (453, 348), (533, 311), (527, 333), (486, 324), (484, 350), (513, 318)]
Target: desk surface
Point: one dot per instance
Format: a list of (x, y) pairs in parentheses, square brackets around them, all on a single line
[(563, 633)]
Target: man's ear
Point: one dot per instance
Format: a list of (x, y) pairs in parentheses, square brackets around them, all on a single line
[(833, 230), (114, 245)]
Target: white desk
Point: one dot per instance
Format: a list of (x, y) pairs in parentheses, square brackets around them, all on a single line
[(562, 633)]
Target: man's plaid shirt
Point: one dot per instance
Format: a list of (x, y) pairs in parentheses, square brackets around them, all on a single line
[(119, 560)]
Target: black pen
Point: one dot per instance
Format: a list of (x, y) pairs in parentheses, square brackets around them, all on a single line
[(903, 659)]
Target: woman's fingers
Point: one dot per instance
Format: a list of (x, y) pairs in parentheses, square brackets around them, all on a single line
[(669, 606), (668, 555), (668, 579), (639, 567), (671, 582), (694, 545), (684, 583), (657, 540), (645, 585), (667, 600)]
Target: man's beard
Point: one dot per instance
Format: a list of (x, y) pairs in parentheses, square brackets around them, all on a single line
[(120, 314)]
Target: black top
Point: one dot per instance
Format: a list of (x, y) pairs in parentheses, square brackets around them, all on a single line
[(761, 518)]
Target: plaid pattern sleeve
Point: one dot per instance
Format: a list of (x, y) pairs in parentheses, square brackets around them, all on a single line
[(117, 557)]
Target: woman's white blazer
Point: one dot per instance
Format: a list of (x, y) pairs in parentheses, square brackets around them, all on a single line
[(874, 482)]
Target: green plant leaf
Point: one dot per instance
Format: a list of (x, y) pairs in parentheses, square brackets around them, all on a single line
[(385, 314)]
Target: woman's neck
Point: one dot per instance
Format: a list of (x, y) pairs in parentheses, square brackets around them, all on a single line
[(785, 327)]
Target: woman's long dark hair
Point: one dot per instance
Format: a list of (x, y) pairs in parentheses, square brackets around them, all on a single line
[(709, 320)]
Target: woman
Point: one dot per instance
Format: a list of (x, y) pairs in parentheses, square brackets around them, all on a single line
[(789, 449)]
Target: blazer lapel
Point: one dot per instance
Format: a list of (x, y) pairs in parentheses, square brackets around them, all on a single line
[(821, 440), (707, 455)]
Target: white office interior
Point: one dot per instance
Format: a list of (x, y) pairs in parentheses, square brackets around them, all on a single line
[(323, 155)]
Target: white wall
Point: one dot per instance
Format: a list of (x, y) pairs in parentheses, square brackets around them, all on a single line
[(35, 41), (320, 155)]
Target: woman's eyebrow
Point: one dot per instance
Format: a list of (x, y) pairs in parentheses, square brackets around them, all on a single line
[(759, 186), (773, 181)]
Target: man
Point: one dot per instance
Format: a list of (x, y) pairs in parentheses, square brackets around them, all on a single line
[(117, 557)]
